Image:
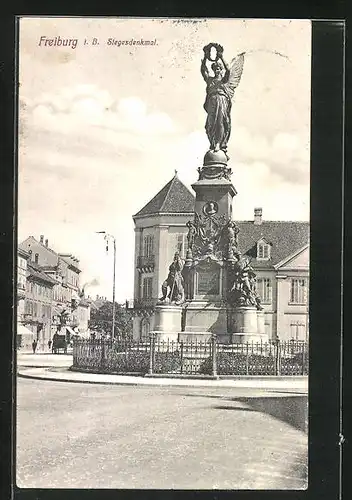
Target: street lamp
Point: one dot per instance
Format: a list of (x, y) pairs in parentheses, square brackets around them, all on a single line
[(110, 237)]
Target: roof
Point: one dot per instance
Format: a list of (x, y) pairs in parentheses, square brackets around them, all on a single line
[(175, 197), (23, 253), (24, 244), (35, 271), (285, 237), (70, 260)]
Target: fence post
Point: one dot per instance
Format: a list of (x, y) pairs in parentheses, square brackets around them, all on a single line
[(181, 355), (213, 355), (277, 357), (102, 359), (151, 353)]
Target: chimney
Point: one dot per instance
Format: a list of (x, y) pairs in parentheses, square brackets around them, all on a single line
[(46, 243), (258, 212), (42, 239)]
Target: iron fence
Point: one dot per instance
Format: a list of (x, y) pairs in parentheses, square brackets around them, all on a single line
[(155, 356)]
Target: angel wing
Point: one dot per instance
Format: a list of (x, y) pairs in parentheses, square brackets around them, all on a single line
[(236, 69)]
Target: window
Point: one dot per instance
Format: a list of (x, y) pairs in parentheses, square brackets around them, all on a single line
[(21, 282), (298, 330), (264, 290), (147, 288), (298, 292), (148, 245), (36, 258), (263, 251)]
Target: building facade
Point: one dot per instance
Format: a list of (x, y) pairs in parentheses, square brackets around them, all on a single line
[(60, 273), (22, 258), (279, 253), (38, 304), (24, 335), (160, 231)]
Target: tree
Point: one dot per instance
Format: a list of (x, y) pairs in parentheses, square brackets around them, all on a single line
[(101, 320)]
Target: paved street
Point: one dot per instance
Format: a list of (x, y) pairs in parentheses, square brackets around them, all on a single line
[(74, 435)]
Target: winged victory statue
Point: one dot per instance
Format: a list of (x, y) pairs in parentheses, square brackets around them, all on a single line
[(219, 93)]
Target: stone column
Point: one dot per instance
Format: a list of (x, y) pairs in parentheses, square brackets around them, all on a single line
[(138, 250), (281, 300)]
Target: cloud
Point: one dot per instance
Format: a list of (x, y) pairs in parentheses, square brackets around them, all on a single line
[(285, 153), (87, 105)]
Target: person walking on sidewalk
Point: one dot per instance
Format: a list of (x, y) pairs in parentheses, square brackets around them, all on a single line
[(34, 345), (49, 344)]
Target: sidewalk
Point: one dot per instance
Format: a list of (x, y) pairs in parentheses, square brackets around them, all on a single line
[(43, 359), (56, 367)]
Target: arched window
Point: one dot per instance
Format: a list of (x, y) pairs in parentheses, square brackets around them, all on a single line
[(36, 258)]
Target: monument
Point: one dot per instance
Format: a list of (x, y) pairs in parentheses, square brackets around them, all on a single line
[(213, 291)]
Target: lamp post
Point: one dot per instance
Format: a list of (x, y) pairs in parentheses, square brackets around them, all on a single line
[(108, 237)]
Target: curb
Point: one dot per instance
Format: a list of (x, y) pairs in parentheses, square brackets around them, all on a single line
[(143, 381), (70, 380)]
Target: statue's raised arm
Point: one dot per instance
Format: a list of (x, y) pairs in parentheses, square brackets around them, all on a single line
[(204, 70)]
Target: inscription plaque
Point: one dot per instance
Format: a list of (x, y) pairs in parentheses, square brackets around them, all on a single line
[(208, 282)]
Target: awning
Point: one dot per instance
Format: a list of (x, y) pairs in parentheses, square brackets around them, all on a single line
[(69, 329), (22, 330)]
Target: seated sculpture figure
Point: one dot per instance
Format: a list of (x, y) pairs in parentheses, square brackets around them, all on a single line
[(243, 290), (173, 287)]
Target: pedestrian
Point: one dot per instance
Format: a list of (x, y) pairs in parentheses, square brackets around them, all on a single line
[(49, 344), (34, 345)]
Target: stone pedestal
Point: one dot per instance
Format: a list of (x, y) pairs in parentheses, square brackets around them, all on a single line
[(167, 322), (201, 319), (247, 325)]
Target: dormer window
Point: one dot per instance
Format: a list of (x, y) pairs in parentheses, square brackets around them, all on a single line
[(263, 250)]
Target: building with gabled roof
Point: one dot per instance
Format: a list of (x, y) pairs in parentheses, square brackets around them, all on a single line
[(173, 198), (279, 253), (60, 271)]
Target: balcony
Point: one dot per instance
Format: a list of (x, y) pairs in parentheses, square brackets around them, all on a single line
[(137, 304), (146, 263)]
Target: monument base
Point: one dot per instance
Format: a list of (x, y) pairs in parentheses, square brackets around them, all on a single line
[(246, 324), (202, 316), (167, 322)]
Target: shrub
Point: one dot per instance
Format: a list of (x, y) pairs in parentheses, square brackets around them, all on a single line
[(232, 363), (295, 365), (167, 362), (130, 361)]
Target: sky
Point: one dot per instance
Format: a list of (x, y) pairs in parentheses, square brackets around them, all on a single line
[(103, 127)]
